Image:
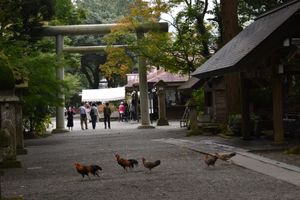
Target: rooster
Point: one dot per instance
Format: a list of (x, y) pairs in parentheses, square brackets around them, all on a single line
[(86, 170), (149, 165), (225, 157), (210, 160), (130, 163)]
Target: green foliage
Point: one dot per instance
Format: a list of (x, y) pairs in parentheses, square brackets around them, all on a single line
[(179, 53), (33, 60), (235, 124), (7, 80), (42, 125), (118, 64), (99, 12), (249, 9), (102, 12), (43, 87), (67, 13), (198, 95), (19, 19), (293, 150), (73, 86)]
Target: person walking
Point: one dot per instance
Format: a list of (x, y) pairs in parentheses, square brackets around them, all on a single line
[(106, 113), (121, 111), (70, 122), (132, 112), (83, 116), (94, 115), (126, 111)]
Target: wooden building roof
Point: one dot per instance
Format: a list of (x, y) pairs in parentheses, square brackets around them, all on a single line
[(156, 75), (255, 42), (192, 83)]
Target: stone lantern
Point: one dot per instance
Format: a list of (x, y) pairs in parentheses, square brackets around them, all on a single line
[(193, 122), (21, 86), (161, 93), (8, 102)]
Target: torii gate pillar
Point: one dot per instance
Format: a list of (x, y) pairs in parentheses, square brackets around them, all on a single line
[(60, 31), (60, 71), (143, 86)]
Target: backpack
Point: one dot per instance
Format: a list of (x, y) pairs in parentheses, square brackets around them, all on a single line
[(107, 111), (92, 112)]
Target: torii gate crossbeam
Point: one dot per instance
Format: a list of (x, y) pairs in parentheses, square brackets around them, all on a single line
[(60, 31)]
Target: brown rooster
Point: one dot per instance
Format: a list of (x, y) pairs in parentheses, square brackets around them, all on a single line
[(130, 163), (149, 165), (225, 157), (86, 170), (210, 160)]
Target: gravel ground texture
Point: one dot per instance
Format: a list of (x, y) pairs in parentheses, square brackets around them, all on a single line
[(48, 171)]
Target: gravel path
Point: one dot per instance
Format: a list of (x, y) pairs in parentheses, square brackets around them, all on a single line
[(48, 171)]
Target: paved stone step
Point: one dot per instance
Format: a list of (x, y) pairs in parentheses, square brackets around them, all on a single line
[(276, 169)]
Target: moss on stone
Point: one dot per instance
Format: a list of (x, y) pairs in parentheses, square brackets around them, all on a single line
[(4, 138), (7, 80), (293, 150), (10, 164)]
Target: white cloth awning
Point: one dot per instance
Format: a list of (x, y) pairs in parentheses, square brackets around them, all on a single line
[(104, 95)]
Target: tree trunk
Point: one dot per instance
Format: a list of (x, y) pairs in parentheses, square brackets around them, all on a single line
[(202, 29), (230, 29)]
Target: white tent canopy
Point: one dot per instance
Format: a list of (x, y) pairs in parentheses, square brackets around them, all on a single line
[(104, 95)]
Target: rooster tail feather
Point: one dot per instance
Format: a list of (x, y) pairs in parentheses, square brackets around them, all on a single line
[(96, 167), (133, 162), (157, 162), (232, 154)]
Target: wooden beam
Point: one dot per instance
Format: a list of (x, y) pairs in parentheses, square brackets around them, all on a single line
[(245, 108), (96, 29), (295, 68), (277, 92), (89, 49)]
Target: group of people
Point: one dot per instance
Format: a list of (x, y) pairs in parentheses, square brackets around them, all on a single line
[(127, 112), (90, 112), (85, 110)]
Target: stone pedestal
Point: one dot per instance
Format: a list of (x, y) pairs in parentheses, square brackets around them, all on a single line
[(8, 143), (19, 122), (19, 130), (194, 128), (161, 93), (8, 115)]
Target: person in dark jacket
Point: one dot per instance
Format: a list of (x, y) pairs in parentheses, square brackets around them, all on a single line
[(106, 113), (94, 115), (70, 122)]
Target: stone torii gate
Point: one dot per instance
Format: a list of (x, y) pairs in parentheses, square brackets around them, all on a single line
[(60, 31)]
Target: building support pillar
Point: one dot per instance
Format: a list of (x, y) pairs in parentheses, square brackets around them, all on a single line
[(245, 109), (277, 92)]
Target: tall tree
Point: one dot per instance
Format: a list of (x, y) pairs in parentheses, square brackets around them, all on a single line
[(31, 58), (90, 67), (98, 12), (180, 52), (19, 19), (117, 66), (230, 29), (248, 9), (190, 23)]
